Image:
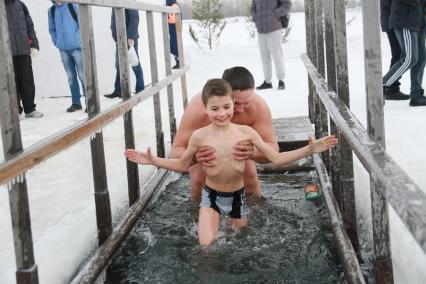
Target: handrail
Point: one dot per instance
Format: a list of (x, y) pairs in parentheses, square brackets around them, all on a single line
[(346, 251), (405, 196), (60, 141), (128, 4)]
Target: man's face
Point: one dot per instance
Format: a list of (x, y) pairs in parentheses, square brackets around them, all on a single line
[(242, 100)]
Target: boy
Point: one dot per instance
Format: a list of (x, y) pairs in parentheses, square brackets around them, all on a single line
[(224, 192)]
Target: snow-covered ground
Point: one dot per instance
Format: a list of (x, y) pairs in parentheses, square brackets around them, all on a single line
[(61, 189)]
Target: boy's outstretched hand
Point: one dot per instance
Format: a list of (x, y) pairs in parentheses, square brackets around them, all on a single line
[(322, 144), (144, 158)]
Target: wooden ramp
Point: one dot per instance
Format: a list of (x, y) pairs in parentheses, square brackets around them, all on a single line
[(291, 133)]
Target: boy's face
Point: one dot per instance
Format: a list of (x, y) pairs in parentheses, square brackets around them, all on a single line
[(243, 99), (220, 109)]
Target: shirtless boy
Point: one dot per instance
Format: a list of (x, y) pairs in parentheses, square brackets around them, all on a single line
[(249, 109), (224, 190)]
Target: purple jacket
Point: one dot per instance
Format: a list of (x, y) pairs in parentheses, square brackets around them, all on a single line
[(266, 14)]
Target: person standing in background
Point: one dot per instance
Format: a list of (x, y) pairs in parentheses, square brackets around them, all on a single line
[(392, 92), (24, 45), (132, 23), (408, 21), (266, 15), (64, 30), (172, 33)]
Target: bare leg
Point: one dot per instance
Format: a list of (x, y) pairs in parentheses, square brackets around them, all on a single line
[(251, 181), (238, 223), (198, 180), (208, 225)]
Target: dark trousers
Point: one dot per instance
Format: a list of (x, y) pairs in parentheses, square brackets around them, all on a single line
[(396, 55), (24, 81), (140, 83)]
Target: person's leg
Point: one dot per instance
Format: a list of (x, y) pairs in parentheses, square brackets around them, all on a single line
[(396, 55), (140, 84), (78, 59), (17, 72), (265, 57), (70, 70), (117, 86), (409, 54), (198, 180), (173, 43), (208, 225), (251, 180), (274, 42), (27, 88), (418, 69)]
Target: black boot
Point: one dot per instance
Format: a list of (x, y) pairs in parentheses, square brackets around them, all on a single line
[(420, 101), (281, 85), (113, 95), (73, 108), (395, 95), (264, 86)]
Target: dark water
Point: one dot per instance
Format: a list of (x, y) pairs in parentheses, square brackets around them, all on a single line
[(288, 240)]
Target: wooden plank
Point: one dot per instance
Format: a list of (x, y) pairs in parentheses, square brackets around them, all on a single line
[(309, 49), (167, 62), (64, 139), (383, 271), (129, 137), (101, 257), (405, 196), (346, 251), (103, 207), (154, 77), (12, 145), (330, 46), (347, 188), (181, 59), (129, 4)]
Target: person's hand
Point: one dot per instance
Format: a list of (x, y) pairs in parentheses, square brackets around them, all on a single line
[(322, 144), (34, 52), (130, 41), (144, 158), (205, 156), (243, 150)]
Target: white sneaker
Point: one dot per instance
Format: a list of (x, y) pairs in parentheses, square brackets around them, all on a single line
[(34, 114)]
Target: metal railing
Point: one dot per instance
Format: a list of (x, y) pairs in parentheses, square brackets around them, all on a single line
[(19, 160)]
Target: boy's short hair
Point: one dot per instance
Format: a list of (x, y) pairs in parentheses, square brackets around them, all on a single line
[(215, 87), (239, 78)]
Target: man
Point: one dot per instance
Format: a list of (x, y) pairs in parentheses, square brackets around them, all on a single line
[(132, 23), (407, 20), (392, 92), (266, 15), (64, 30), (249, 109), (23, 42)]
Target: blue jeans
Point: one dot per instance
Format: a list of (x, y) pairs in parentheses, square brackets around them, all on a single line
[(140, 84), (73, 64), (413, 57)]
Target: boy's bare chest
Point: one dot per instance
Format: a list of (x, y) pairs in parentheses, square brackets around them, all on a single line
[(223, 144)]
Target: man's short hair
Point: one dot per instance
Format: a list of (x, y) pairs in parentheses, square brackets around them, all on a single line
[(239, 78), (215, 87)]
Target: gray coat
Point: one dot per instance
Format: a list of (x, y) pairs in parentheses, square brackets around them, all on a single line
[(266, 14), (21, 28)]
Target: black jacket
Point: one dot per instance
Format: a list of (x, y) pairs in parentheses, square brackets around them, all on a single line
[(21, 28), (132, 23), (385, 8), (407, 14)]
